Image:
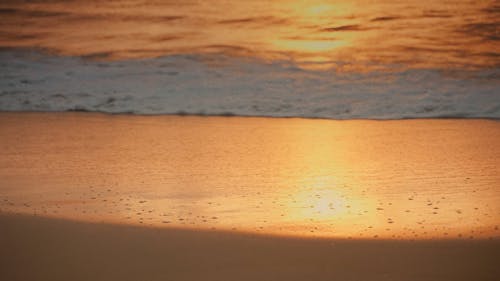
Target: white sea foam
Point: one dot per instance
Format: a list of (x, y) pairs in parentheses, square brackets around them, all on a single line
[(222, 85)]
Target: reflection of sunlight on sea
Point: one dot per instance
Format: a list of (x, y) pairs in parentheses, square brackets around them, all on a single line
[(428, 34), (362, 179)]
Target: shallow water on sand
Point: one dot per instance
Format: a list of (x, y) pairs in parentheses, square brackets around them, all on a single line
[(362, 179)]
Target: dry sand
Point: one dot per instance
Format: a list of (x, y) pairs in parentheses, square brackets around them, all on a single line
[(35, 248)]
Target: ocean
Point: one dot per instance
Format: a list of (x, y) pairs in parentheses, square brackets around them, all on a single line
[(315, 59)]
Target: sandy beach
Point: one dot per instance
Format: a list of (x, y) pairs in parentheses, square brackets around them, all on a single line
[(88, 196), (35, 248)]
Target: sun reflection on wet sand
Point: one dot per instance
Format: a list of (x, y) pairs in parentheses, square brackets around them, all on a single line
[(412, 179)]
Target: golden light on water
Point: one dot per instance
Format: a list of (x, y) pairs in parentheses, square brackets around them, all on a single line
[(271, 176), (314, 49), (309, 46), (359, 33), (318, 10), (320, 204), (313, 53)]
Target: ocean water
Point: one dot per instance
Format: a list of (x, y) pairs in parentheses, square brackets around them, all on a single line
[(319, 59)]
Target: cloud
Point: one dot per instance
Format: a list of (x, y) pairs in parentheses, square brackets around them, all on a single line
[(353, 27), (488, 31), (385, 18), (252, 20)]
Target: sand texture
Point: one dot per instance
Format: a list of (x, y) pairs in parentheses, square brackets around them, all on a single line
[(403, 179), (117, 197), (35, 248)]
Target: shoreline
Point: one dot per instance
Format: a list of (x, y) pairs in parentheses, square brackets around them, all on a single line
[(56, 249), (231, 115), (253, 234)]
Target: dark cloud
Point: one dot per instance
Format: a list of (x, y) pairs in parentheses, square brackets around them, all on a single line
[(22, 36), (436, 14), (494, 9), (6, 11), (386, 18), (429, 49), (30, 13), (225, 47), (26, 13), (257, 20), (166, 18), (309, 38), (164, 38), (353, 27), (487, 31), (241, 20), (97, 56)]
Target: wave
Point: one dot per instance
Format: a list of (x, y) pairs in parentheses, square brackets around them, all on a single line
[(215, 84)]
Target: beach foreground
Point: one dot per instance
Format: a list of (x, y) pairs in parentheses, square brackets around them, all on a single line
[(35, 248), (120, 197)]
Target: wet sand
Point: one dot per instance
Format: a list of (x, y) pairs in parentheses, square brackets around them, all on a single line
[(35, 248), (406, 179)]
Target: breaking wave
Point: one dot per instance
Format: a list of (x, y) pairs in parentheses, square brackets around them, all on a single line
[(224, 85)]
